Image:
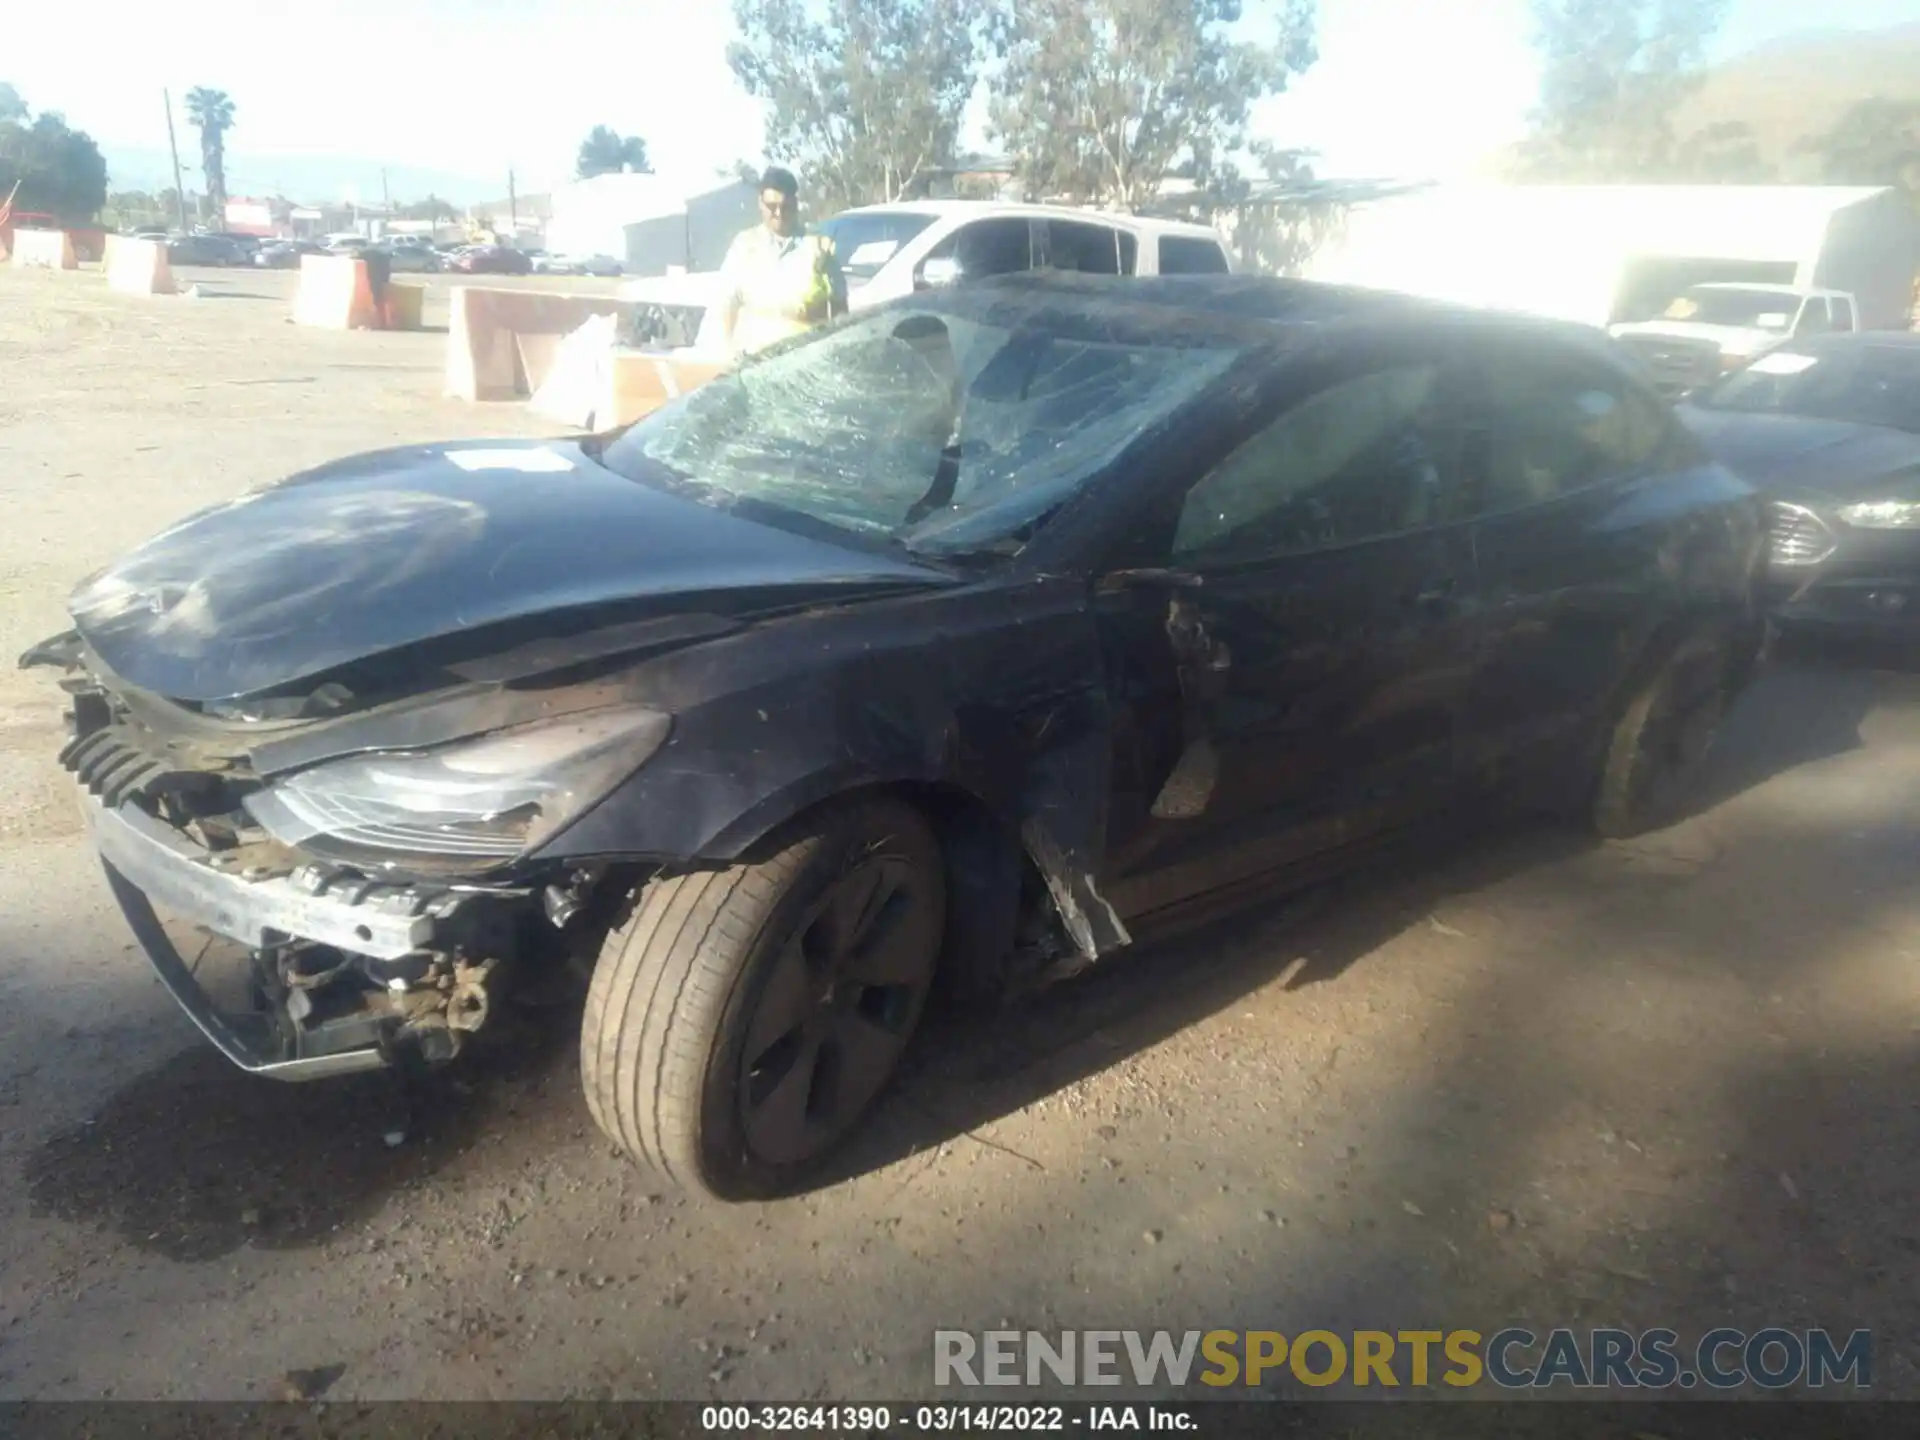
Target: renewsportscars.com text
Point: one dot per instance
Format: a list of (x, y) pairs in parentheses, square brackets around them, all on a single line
[(1513, 1359)]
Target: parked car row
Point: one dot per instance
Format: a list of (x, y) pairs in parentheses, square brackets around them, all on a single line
[(404, 254)]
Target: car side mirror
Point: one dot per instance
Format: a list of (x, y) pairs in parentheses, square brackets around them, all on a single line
[(937, 272)]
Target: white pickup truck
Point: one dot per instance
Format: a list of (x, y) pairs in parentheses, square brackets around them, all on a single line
[(888, 251), (1710, 329)]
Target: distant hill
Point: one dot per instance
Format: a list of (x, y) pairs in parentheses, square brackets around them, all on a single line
[(1799, 85)]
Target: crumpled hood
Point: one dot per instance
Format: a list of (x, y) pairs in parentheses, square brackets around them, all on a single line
[(1794, 454), (387, 550)]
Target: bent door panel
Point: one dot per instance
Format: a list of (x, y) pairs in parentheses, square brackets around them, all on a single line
[(1324, 652)]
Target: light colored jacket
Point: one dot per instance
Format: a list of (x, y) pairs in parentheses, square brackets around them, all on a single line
[(779, 285)]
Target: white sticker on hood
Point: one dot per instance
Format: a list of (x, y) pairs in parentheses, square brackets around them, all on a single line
[(529, 462), (1782, 363)]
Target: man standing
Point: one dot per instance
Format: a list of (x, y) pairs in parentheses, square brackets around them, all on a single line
[(780, 280)]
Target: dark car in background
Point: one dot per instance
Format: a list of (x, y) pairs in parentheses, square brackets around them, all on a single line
[(286, 254), (490, 260), (411, 254), (1829, 430), (204, 250), (973, 637)]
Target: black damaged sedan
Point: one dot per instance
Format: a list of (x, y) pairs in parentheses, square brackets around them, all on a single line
[(945, 650)]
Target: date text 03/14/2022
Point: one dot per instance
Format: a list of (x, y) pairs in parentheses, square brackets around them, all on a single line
[(942, 1419)]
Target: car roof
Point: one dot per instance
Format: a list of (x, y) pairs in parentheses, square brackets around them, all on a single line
[(1236, 309), (987, 209)]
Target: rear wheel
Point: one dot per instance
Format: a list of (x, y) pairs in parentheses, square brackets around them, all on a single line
[(1654, 753), (741, 1021)]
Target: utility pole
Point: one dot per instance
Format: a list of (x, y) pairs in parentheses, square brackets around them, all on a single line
[(513, 205), (386, 200), (179, 189)]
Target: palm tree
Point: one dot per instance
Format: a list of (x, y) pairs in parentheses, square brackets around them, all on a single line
[(211, 113), (606, 152)]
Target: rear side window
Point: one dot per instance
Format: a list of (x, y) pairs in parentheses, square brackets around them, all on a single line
[(1184, 255), (1091, 249), (1556, 426)]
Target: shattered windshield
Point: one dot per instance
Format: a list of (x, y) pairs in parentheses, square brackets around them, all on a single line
[(943, 434)]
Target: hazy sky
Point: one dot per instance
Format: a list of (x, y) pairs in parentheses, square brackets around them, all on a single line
[(1408, 87)]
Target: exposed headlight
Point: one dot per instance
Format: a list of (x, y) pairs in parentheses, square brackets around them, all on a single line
[(485, 800), (1883, 514)]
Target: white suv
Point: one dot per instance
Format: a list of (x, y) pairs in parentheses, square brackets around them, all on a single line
[(892, 250)]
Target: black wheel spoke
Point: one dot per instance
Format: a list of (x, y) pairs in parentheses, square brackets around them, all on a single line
[(784, 1004), (776, 1123), (856, 902), (864, 1054), (894, 950)]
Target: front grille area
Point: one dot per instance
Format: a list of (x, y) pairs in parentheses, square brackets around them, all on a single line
[(119, 761), (111, 763), (1797, 535), (1676, 365)]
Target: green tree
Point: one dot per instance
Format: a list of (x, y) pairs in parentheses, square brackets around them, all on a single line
[(865, 99), (607, 152), (1613, 75), (211, 113), (12, 108), (1101, 99), (60, 170), (1876, 142)]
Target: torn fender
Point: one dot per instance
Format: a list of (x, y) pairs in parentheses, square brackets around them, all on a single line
[(998, 694)]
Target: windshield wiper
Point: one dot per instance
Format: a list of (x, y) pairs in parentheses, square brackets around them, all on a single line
[(939, 495)]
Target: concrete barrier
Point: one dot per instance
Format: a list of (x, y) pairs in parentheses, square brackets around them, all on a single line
[(138, 267), (644, 380), (335, 294), (597, 386), (501, 344), (44, 249), (401, 306)]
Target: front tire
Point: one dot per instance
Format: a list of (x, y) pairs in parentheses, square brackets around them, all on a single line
[(741, 1021), (1654, 753)]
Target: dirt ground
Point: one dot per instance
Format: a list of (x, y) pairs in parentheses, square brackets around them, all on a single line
[(1528, 1081)]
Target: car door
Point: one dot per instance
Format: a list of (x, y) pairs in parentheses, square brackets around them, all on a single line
[(1316, 596), (1563, 585)]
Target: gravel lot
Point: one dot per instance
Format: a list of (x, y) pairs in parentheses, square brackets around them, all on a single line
[(1530, 1081)]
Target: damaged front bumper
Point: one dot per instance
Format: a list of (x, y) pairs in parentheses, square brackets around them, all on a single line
[(428, 993)]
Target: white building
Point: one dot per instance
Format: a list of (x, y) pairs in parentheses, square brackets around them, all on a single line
[(1601, 254), (648, 224)]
